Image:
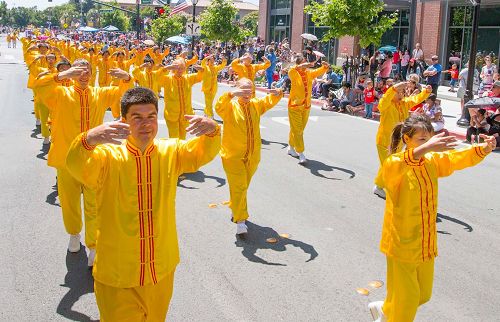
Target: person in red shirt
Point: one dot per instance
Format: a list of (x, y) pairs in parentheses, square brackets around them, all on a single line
[(396, 60), (369, 94), (454, 77)]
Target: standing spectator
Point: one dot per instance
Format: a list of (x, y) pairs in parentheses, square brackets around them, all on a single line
[(417, 53), (386, 68), (396, 60), (373, 65), (487, 74), (433, 74), (309, 55), (270, 71), (369, 94), (453, 71), (462, 83), (405, 60)]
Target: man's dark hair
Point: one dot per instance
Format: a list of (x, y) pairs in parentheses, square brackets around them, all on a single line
[(138, 95), (62, 63)]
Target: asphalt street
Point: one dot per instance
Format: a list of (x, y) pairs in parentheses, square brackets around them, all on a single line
[(327, 208)]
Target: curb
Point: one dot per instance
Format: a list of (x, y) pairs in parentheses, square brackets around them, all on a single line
[(376, 116)]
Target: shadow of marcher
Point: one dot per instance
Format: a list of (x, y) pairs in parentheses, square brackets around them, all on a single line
[(34, 133), (51, 197), (316, 166), (441, 217), (266, 142), (256, 239), (199, 177), (44, 151), (80, 282)]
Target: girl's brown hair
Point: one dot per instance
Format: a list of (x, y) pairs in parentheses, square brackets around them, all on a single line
[(409, 127)]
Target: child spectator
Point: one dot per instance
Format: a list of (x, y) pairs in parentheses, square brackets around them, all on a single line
[(454, 77), (434, 111), (369, 94), (478, 125)]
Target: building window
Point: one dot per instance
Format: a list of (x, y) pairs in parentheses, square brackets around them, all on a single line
[(328, 47), (280, 4), (398, 35)]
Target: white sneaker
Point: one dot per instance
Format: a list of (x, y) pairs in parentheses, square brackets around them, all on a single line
[(241, 228), (38, 123), (74, 243), (291, 151), (46, 141), (302, 158), (376, 311), (91, 258), (379, 192), (116, 119)]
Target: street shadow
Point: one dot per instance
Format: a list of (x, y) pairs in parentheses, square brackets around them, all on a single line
[(43, 151), (266, 142), (52, 197), (199, 177), (80, 282), (316, 166), (256, 239), (34, 133), (440, 217)]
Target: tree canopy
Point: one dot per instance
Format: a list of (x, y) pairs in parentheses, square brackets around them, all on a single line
[(164, 26), (362, 18), (218, 22)]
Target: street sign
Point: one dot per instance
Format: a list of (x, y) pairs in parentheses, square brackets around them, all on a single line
[(105, 10), (193, 29), (146, 1), (65, 25)]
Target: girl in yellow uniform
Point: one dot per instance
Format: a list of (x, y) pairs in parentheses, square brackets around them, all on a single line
[(104, 64), (136, 182), (209, 84), (178, 88), (394, 107), (299, 103), (244, 68), (409, 238), (146, 76), (241, 143), (74, 110)]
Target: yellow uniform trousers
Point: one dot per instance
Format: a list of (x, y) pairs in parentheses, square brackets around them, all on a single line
[(298, 118), (148, 303), (43, 116), (70, 190), (383, 153), (177, 129), (209, 103), (409, 285), (239, 174)]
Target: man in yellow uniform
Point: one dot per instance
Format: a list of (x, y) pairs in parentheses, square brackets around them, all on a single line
[(146, 76), (244, 68), (394, 107), (104, 64), (136, 181), (209, 84), (9, 38), (177, 86), (74, 110), (37, 63), (299, 103), (123, 64), (241, 143)]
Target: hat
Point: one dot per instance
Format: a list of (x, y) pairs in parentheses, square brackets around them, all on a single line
[(496, 84), (434, 57)]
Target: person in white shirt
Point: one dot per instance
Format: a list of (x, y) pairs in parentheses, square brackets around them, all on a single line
[(417, 53)]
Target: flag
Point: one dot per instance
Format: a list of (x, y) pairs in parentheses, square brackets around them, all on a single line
[(179, 7)]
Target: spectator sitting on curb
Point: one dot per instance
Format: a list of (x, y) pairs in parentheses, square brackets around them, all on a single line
[(434, 111), (478, 125), (494, 122)]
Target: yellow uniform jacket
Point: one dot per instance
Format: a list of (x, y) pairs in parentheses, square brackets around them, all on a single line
[(301, 86), (392, 113), (409, 230), (148, 79), (74, 110), (241, 137), (104, 65), (249, 72), (137, 238), (209, 84), (178, 94)]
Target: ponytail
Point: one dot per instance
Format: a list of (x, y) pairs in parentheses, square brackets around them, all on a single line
[(396, 137), (410, 126)]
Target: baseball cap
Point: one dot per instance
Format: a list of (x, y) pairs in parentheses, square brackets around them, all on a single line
[(434, 57), (496, 84)]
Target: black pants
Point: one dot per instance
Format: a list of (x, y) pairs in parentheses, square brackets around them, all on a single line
[(434, 88), (473, 131), (325, 88)]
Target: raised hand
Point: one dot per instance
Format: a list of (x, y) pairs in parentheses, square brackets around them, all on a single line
[(242, 92), (490, 142), (276, 92), (119, 73), (73, 73), (110, 132), (200, 125)]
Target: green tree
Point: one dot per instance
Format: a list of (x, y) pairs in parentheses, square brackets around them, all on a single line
[(147, 12), (165, 26), (93, 16), (250, 22), (117, 19), (218, 22), (22, 16), (360, 18), (4, 13)]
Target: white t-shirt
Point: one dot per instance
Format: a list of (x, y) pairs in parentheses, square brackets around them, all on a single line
[(417, 53), (487, 73)]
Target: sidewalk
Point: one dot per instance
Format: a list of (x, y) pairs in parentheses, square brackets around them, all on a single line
[(450, 104)]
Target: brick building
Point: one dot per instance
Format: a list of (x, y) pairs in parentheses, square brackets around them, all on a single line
[(442, 27)]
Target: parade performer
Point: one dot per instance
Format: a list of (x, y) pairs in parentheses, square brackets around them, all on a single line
[(104, 64), (409, 238), (123, 64), (394, 107), (241, 142), (136, 181), (146, 76), (209, 84), (177, 86), (299, 103), (244, 68), (74, 110)]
